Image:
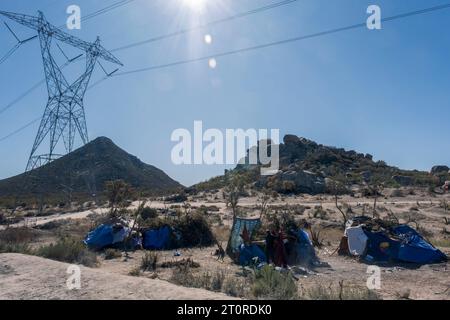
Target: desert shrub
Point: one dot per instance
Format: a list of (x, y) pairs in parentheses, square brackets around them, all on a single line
[(195, 231), (321, 292), (16, 240), (213, 208), (112, 254), (397, 193), (149, 261), (316, 238), (8, 247), (69, 250), (268, 283), (17, 235), (135, 272), (51, 225), (177, 198), (180, 263), (148, 213), (444, 205), (182, 275), (233, 287), (217, 280), (319, 212)]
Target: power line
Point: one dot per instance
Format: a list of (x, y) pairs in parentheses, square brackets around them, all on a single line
[(180, 32), (285, 41), (37, 85), (106, 9), (37, 119), (203, 26), (23, 95), (20, 129), (262, 46)]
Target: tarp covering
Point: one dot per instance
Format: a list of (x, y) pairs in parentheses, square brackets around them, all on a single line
[(415, 249), (305, 252), (399, 243), (240, 225), (380, 247), (357, 240), (249, 253), (106, 235), (157, 239)]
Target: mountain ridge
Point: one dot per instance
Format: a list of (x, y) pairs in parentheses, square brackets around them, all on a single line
[(85, 171)]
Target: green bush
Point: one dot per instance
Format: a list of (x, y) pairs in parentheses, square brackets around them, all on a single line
[(194, 230), (69, 250), (149, 213), (8, 247), (269, 283)]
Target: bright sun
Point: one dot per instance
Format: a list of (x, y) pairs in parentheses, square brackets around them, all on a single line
[(196, 5)]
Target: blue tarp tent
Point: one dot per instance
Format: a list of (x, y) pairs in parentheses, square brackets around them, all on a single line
[(157, 239), (407, 245), (235, 241), (380, 247), (247, 255), (305, 248), (106, 235), (415, 249)]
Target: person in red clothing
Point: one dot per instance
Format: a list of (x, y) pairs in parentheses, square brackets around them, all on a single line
[(280, 250)]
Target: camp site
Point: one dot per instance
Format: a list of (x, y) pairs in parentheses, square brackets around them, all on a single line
[(245, 243), (208, 150)]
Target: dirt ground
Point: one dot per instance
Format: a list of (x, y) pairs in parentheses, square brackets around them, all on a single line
[(28, 277), (416, 207)]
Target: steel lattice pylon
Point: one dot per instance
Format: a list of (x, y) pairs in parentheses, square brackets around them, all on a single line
[(64, 113)]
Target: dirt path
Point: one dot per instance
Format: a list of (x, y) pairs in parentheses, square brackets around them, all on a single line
[(30, 277)]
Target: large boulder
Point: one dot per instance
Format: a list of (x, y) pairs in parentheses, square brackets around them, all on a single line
[(439, 169), (304, 181)]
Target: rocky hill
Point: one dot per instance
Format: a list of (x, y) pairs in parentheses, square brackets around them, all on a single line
[(307, 167)]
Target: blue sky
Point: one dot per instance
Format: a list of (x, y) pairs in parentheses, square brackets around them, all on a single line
[(383, 92)]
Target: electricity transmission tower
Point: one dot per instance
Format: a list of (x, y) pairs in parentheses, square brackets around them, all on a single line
[(64, 114)]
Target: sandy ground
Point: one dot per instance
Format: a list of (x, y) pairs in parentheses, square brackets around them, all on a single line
[(29, 277)]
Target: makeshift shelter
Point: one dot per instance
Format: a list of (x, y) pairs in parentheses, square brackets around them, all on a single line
[(251, 254), (239, 241), (158, 239), (106, 235), (303, 250), (376, 241)]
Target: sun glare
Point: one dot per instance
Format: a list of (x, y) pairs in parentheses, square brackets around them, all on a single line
[(195, 5)]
